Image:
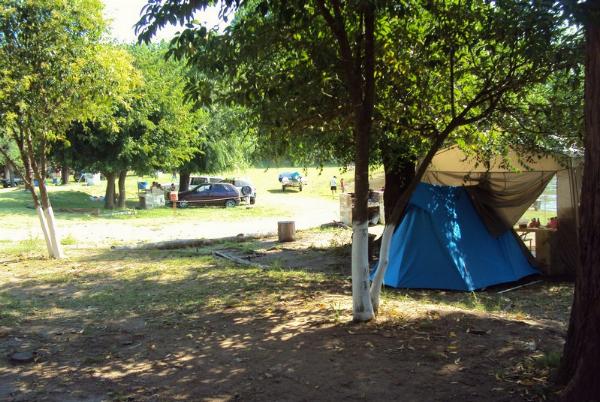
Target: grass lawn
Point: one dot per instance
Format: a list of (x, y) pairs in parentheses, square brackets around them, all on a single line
[(17, 202), (80, 212)]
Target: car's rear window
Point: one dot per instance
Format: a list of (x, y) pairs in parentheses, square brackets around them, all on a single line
[(220, 188), (197, 180)]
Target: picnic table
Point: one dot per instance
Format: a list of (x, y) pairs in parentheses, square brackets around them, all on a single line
[(541, 247)]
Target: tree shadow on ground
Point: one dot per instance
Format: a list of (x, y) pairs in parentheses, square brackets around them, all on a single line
[(213, 331), (333, 258)]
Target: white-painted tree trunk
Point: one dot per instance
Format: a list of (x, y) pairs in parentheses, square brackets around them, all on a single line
[(384, 259), (44, 226), (361, 299), (54, 235)]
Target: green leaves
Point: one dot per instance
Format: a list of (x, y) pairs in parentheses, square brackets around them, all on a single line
[(439, 66), (143, 123), (43, 46)]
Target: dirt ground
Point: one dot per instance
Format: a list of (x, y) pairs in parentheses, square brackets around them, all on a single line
[(298, 344)]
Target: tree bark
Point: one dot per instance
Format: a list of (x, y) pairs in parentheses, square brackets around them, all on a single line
[(28, 178), (39, 172), (109, 195), (361, 300), (398, 175), (49, 215), (359, 79), (122, 195), (53, 232), (11, 174), (45, 231), (580, 363), (363, 114), (64, 175), (184, 181)]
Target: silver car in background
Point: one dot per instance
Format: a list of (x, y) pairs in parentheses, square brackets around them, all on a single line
[(245, 187)]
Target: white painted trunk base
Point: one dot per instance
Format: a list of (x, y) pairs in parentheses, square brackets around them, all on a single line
[(361, 299), (384, 259), (54, 235), (44, 226)]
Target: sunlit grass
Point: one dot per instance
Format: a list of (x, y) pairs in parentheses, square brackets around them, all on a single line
[(28, 248), (266, 180), (76, 201), (150, 283), (535, 301)]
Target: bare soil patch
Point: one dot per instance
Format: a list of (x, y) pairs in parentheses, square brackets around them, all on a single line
[(158, 326)]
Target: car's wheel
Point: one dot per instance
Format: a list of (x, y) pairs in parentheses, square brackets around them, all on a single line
[(246, 190), (230, 203), (252, 200), (183, 204)]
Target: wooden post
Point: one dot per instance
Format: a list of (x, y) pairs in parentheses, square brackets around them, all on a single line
[(286, 231), (346, 208), (173, 196)]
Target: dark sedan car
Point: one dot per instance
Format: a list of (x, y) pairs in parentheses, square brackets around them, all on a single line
[(210, 194)]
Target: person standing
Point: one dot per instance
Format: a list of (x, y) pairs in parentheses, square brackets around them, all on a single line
[(333, 185), (342, 188)]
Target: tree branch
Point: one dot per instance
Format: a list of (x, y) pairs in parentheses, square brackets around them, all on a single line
[(336, 24), (453, 107), (369, 16)]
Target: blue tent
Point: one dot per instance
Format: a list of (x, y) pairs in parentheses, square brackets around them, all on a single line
[(442, 243)]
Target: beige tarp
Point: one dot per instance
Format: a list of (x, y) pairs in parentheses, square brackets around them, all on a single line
[(508, 186), (454, 160)]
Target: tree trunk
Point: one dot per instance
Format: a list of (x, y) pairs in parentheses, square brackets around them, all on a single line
[(28, 178), (53, 232), (64, 175), (361, 300), (45, 231), (39, 172), (580, 363), (49, 215), (363, 102), (359, 78), (121, 200), (40, 212), (184, 181), (11, 174), (109, 195), (398, 175)]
